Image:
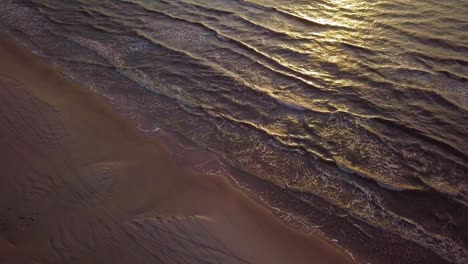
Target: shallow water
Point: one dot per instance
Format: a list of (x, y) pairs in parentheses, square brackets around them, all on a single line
[(362, 104)]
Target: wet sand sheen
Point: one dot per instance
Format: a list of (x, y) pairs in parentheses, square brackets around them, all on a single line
[(80, 185)]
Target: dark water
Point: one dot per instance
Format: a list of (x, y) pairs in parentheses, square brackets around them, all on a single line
[(362, 104)]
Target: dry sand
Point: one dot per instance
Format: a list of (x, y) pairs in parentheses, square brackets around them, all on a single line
[(79, 185)]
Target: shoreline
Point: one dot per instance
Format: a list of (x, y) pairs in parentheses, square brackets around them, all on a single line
[(137, 78), (304, 213), (82, 183)]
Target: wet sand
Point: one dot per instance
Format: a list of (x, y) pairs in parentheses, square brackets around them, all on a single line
[(80, 185)]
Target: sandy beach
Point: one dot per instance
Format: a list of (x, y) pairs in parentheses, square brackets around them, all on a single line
[(80, 185)]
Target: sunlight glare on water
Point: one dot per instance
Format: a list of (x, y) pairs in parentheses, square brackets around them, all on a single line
[(359, 104)]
